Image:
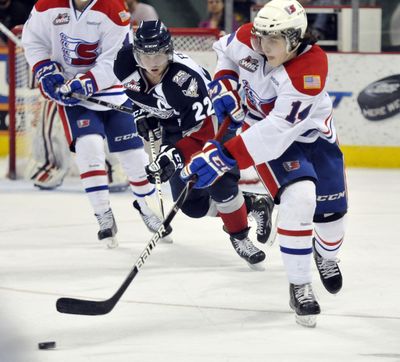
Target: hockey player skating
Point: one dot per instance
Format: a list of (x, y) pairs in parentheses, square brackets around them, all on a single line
[(292, 140), (71, 46), (169, 91)]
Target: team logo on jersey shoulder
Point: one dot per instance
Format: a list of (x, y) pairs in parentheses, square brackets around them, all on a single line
[(312, 82), (249, 64), (180, 78), (61, 19), (291, 165), (191, 91)]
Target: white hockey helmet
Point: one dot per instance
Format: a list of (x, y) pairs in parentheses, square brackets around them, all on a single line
[(282, 17)]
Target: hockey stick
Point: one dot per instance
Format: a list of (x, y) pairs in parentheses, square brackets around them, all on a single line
[(91, 307), (157, 175)]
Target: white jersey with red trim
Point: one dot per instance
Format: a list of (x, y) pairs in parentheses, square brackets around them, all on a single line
[(285, 104), (80, 41)]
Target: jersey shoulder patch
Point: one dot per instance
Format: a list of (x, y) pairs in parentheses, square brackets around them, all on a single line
[(44, 5), (308, 71), (115, 10), (243, 34)]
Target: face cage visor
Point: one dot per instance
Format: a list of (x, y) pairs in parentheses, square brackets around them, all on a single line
[(260, 40), (152, 60)]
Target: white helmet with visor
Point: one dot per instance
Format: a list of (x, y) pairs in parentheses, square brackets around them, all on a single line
[(286, 18)]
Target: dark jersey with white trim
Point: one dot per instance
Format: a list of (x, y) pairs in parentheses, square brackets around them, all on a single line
[(180, 101)]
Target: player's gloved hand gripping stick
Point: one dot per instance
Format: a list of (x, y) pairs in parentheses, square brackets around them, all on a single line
[(91, 307)]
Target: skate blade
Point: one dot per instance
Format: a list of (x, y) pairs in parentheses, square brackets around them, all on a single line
[(257, 267), (309, 321), (111, 243)]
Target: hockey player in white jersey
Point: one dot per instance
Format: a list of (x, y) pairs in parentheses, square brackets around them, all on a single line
[(71, 45), (291, 140)]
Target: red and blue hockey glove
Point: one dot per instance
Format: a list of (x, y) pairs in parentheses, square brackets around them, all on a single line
[(209, 165), (82, 84), (226, 100), (147, 125), (166, 163), (49, 76)]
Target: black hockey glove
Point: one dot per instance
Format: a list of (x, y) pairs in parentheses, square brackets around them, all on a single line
[(166, 163), (146, 124)]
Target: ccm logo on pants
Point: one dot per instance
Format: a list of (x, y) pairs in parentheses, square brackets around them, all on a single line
[(331, 197), (124, 137)]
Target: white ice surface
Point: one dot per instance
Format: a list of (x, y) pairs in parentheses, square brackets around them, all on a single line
[(194, 300)]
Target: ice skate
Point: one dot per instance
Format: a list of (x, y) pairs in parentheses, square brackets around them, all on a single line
[(304, 304), (153, 222), (108, 229), (246, 250), (260, 209), (329, 272)]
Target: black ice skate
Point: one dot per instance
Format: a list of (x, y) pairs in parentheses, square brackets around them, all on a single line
[(260, 209), (246, 250), (303, 302), (153, 222), (329, 272), (108, 229)]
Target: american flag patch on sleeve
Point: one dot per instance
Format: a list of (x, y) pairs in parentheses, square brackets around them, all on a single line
[(312, 82)]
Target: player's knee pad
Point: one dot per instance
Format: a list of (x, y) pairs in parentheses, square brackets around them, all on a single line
[(329, 235), (297, 207), (133, 162), (232, 205), (90, 154)]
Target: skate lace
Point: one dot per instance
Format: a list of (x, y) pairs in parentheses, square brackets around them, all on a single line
[(328, 267), (245, 247), (106, 220), (258, 217), (304, 293)]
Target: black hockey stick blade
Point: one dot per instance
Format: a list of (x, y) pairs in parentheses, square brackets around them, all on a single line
[(92, 307)]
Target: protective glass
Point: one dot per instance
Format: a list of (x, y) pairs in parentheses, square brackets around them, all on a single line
[(265, 44)]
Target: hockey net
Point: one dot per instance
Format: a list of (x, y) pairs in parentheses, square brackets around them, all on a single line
[(26, 102)]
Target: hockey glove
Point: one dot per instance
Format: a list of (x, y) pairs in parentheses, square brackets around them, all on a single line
[(166, 163), (209, 165), (82, 84), (49, 76), (147, 124), (226, 100)]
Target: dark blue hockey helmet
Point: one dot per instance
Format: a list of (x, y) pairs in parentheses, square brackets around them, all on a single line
[(152, 38)]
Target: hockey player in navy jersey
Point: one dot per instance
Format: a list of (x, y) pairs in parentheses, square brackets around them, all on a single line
[(170, 93), (291, 140), (71, 46)]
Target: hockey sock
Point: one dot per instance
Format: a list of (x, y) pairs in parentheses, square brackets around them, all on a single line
[(329, 237), (234, 214), (90, 159), (295, 230), (133, 162)]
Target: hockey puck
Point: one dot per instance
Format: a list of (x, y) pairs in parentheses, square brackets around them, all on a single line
[(47, 345), (380, 99)]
